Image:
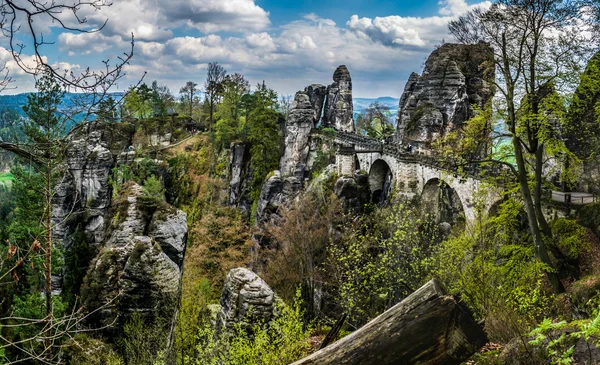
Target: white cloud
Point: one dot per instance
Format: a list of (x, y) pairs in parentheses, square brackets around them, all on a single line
[(218, 15), (380, 52), (459, 7), (412, 31)]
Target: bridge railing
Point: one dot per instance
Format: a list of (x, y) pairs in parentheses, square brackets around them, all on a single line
[(387, 146)]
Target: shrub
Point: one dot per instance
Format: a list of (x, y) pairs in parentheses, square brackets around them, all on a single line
[(85, 350), (493, 266), (281, 342), (589, 216), (570, 238)]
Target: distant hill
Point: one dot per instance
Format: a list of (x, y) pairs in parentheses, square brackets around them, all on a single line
[(362, 103), (11, 108)]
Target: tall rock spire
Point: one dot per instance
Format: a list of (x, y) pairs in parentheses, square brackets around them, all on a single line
[(339, 110), (456, 77)]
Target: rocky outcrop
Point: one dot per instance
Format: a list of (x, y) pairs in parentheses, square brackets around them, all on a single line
[(338, 112), (139, 266), (239, 177), (354, 192), (581, 132), (246, 300), (456, 76), (277, 192), (304, 116)]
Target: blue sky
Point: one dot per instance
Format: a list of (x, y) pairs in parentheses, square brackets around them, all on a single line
[(289, 44)]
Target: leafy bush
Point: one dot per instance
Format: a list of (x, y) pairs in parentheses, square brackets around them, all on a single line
[(570, 238), (85, 350), (493, 266), (380, 260), (152, 195), (589, 216), (281, 342)]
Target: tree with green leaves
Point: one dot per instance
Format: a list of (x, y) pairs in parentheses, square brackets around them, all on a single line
[(31, 244), (138, 102), (229, 111), (537, 48), (582, 127), (188, 92), (162, 99), (263, 136), (375, 122)]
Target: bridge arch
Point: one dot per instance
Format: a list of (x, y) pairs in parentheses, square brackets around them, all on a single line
[(380, 180), (443, 202)]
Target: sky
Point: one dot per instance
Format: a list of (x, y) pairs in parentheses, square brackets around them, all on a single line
[(288, 44)]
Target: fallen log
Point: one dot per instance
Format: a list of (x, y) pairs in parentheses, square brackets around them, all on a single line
[(428, 327)]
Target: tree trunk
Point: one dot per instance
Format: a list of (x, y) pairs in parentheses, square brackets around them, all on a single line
[(540, 247), (428, 327), (48, 268)]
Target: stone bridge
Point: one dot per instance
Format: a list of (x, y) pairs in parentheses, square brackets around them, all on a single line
[(392, 168)]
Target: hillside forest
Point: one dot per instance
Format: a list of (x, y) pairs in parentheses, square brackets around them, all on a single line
[(226, 223)]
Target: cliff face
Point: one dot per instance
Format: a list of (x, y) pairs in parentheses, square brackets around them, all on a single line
[(339, 109), (316, 103), (138, 268), (137, 250), (304, 115), (455, 77)]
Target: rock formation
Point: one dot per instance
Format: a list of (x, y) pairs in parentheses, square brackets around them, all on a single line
[(332, 106), (455, 77), (138, 268), (339, 109), (239, 176), (136, 250), (276, 192), (304, 116), (246, 300)]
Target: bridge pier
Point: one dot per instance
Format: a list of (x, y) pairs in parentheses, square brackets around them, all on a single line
[(344, 161)]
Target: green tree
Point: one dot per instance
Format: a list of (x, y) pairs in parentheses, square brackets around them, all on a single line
[(234, 87), (31, 241), (162, 99), (375, 122), (138, 102), (535, 48), (582, 127), (188, 92), (263, 136), (380, 259), (106, 110)]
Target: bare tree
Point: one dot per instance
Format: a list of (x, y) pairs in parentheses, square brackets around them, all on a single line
[(187, 94), (285, 105), (22, 17), (213, 87)]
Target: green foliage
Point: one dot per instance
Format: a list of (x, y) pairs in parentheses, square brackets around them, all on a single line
[(375, 122), (139, 102), (493, 266), (381, 260), (281, 342), (570, 238), (264, 137), (85, 350), (589, 216), (582, 126), (77, 260), (142, 342), (559, 346), (153, 196)]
